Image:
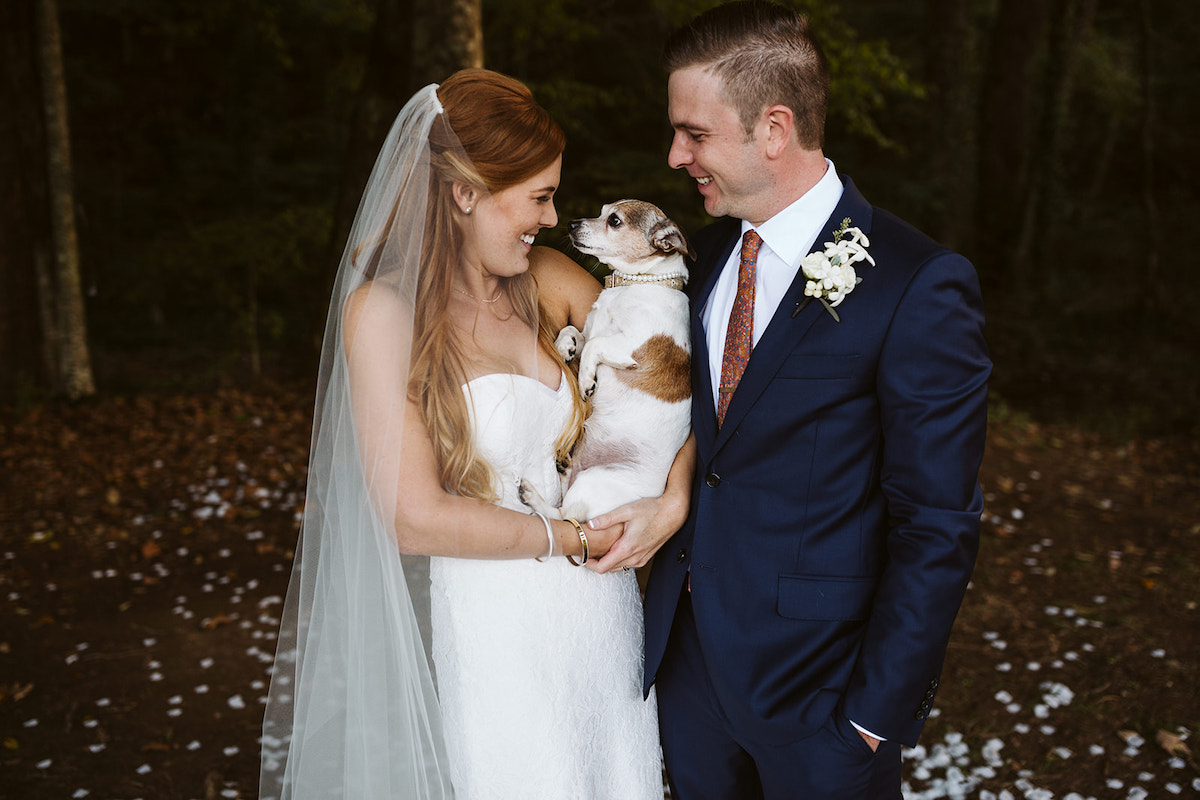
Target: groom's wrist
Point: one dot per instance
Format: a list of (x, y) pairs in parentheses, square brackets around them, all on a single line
[(866, 732)]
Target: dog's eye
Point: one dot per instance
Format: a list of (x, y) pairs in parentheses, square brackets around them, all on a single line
[(614, 221)]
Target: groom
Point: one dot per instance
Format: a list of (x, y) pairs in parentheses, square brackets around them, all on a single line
[(797, 623)]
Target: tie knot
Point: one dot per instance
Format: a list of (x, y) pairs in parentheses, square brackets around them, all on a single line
[(750, 244)]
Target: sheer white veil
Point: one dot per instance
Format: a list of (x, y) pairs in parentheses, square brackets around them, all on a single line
[(352, 710)]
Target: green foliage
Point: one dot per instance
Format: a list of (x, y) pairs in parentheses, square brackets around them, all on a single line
[(209, 138), (596, 67)]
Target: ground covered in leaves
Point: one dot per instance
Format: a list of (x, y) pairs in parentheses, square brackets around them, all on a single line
[(145, 545)]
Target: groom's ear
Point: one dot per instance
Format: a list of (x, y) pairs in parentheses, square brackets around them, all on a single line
[(779, 123)]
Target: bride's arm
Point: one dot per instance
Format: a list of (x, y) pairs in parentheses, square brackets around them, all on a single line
[(565, 289), (398, 457)]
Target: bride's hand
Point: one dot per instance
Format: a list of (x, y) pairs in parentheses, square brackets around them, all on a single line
[(600, 540)]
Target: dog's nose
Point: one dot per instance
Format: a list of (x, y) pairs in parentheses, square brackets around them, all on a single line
[(573, 224)]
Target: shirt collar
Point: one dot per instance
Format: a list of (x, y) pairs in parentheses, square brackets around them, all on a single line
[(792, 232)]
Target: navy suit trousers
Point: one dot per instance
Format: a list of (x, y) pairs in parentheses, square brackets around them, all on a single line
[(707, 760)]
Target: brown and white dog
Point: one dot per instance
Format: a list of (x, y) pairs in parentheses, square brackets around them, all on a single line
[(634, 362)]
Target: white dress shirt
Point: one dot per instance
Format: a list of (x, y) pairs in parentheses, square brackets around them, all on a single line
[(787, 237)]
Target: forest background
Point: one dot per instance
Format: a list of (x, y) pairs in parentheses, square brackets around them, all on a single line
[(218, 147)]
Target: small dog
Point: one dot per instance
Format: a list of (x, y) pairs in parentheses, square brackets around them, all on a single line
[(634, 363)]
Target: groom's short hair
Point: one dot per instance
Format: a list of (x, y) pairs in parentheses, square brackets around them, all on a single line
[(764, 55)]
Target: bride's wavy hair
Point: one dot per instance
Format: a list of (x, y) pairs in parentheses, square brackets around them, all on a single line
[(506, 138)]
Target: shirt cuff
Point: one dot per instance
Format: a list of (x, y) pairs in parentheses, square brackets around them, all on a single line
[(861, 729)]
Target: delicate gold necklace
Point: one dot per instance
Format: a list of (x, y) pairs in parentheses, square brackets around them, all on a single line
[(499, 294)]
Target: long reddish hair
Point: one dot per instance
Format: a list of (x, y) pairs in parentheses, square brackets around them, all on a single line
[(491, 135)]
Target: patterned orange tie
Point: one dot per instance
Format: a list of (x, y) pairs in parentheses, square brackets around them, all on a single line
[(739, 338)]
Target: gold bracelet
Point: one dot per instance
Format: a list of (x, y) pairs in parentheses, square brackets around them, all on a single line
[(582, 541)]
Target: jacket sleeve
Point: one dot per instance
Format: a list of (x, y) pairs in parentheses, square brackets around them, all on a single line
[(932, 392)]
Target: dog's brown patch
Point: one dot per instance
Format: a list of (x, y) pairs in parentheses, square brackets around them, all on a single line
[(663, 370)]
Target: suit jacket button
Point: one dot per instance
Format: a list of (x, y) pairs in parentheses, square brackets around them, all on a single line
[(933, 684), (682, 556), (920, 715), (713, 480)]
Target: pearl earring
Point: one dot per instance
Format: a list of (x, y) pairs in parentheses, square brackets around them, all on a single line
[(467, 210)]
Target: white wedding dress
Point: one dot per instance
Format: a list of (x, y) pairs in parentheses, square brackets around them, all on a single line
[(538, 664)]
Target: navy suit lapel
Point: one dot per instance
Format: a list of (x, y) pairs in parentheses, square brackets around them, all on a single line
[(704, 412), (785, 331)]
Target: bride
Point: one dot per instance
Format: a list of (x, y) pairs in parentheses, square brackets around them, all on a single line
[(496, 668)]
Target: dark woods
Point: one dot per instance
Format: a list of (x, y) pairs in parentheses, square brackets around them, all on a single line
[(217, 150)]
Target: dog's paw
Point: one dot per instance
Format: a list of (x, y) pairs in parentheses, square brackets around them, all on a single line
[(568, 343), (525, 492), (562, 464)]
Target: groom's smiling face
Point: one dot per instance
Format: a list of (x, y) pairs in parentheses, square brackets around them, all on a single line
[(728, 164)]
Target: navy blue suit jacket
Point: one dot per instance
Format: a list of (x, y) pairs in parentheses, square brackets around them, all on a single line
[(834, 519)]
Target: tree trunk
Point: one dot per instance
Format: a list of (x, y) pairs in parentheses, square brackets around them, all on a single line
[(950, 56), (449, 37), (1005, 130), (73, 370), (1155, 299), (1069, 30)]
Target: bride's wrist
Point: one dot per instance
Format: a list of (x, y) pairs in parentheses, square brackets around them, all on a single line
[(549, 542), (575, 545)]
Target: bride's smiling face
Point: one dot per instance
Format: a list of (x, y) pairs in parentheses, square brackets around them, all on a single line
[(499, 230)]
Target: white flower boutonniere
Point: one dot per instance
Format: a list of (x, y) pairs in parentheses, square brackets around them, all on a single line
[(831, 274)]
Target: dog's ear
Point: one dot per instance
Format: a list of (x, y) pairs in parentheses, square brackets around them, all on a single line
[(667, 237)]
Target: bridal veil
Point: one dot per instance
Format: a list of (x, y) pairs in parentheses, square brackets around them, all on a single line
[(352, 710)]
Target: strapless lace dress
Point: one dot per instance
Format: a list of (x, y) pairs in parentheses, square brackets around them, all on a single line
[(539, 664)]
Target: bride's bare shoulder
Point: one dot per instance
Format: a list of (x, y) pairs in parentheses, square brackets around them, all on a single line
[(564, 287), (377, 310)]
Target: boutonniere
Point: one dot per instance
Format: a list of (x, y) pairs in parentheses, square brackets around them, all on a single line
[(830, 273)]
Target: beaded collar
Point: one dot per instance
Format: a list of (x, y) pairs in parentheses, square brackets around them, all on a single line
[(671, 280)]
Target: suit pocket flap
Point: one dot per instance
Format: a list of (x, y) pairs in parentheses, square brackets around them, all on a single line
[(815, 598)]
